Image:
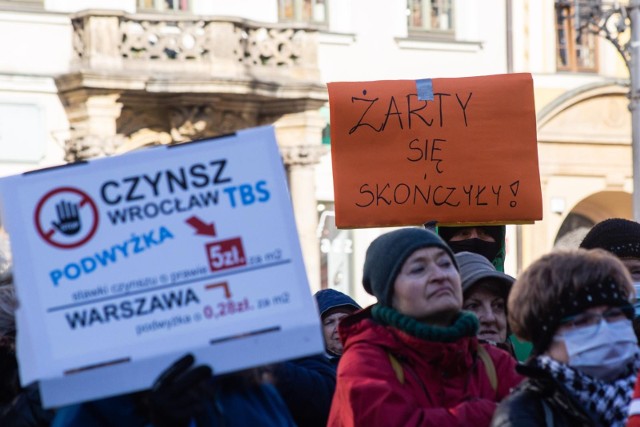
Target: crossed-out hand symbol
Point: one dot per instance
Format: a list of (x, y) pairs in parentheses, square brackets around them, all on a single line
[(68, 218)]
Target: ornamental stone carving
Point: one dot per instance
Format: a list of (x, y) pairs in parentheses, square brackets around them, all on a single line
[(181, 123), (198, 122), (269, 47), (195, 40), (201, 45), (189, 123), (158, 40), (91, 146)]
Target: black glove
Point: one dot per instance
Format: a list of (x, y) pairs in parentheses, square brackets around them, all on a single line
[(182, 393)]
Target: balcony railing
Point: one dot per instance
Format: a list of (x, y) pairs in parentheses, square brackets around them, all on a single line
[(184, 47)]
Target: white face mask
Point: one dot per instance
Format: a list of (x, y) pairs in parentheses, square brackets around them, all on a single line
[(603, 350)]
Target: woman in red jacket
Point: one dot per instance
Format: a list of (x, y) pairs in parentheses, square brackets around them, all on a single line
[(413, 358)]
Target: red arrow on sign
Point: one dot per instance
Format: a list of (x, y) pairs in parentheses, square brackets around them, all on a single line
[(202, 227)]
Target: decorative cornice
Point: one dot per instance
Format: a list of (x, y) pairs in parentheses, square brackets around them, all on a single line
[(302, 155)]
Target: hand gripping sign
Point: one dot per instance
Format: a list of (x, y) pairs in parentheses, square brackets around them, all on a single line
[(460, 150), (125, 263)]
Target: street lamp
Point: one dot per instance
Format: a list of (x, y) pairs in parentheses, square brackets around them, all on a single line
[(611, 19)]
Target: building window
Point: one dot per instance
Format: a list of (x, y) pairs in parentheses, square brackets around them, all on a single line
[(304, 11), (326, 131), (163, 5), (575, 50), (23, 134), (434, 16), (21, 4)]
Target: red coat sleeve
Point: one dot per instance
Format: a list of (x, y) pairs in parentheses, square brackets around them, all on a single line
[(634, 407)]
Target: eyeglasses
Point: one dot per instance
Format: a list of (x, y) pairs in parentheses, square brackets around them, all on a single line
[(613, 314)]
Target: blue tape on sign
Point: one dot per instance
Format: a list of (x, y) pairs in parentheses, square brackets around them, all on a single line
[(425, 89)]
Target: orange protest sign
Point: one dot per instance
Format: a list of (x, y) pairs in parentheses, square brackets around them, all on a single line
[(458, 150)]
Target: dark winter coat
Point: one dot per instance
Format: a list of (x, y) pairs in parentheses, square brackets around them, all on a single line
[(307, 387), (19, 407), (307, 384), (25, 410), (541, 400), (258, 406)]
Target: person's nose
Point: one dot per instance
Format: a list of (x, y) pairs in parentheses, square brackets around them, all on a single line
[(440, 274), (487, 315)]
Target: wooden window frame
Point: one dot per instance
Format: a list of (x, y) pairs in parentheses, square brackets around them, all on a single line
[(426, 26), (183, 6), (294, 11), (567, 47), (20, 5)]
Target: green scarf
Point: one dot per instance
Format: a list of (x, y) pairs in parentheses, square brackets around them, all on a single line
[(465, 325)]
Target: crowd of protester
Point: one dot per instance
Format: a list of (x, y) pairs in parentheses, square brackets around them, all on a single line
[(435, 349)]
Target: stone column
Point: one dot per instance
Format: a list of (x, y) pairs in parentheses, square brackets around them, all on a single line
[(92, 117), (300, 139)]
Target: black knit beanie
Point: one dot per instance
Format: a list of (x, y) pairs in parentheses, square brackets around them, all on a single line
[(386, 255), (619, 236), (571, 303)]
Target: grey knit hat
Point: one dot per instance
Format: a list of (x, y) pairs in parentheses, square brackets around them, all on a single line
[(386, 255), (474, 267)]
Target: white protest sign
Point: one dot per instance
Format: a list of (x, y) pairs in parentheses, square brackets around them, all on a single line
[(123, 264)]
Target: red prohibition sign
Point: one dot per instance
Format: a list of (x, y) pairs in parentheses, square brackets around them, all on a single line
[(84, 200)]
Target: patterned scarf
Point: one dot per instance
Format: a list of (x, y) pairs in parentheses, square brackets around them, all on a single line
[(609, 401)]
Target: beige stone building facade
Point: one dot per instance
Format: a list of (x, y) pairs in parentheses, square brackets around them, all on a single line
[(583, 122), (137, 80)]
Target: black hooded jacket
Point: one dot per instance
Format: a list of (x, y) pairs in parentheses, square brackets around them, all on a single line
[(307, 384)]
